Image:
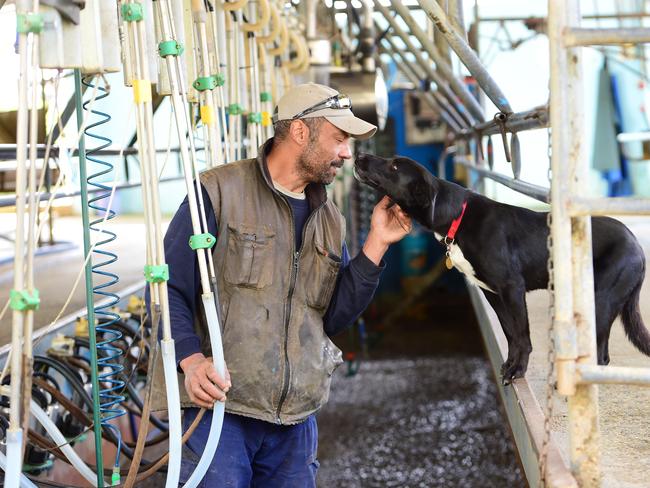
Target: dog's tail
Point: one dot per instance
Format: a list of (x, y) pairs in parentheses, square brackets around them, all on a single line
[(632, 321)]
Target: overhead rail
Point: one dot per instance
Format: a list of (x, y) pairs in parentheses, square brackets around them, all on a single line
[(426, 65), (433, 97), (534, 191), (466, 54), (10, 201), (442, 64)]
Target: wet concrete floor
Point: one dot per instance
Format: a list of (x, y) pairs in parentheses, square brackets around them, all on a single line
[(432, 419)]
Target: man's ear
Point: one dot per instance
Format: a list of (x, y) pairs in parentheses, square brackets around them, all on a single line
[(299, 132)]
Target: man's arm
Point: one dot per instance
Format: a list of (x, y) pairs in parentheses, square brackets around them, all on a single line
[(358, 278)]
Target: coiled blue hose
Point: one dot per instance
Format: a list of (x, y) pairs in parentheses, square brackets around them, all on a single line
[(108, 354)]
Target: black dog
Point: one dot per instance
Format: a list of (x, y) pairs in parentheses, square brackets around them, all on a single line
[(502, 248)]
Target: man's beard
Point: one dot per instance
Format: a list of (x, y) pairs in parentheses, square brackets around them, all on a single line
[(311, 167)]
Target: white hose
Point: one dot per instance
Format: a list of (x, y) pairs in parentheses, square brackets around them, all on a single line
[(14, 456), (197, 215), (219, 407), (25, 482), (174, 411), (63, 444)]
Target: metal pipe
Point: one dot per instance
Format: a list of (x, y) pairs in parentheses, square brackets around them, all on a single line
[(455, 13), (426, 65), (409, 71), (442, 65), (466, 55), (622, 15), (442, 159), (15, 432), (33, 207), (573, 317), (582, 206), (535, 118), (367, 39), (580, 36), (614, 375), (534, 191), (92, 337), (440, 98), (10, 201)]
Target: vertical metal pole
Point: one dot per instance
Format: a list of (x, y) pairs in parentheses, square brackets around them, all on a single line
[(568, 165), (14, 432), (97, 427)]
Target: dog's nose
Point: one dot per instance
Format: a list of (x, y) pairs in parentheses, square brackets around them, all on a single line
[(361, 161)]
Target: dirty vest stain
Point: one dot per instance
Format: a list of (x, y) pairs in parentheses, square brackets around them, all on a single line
[(272, 296)]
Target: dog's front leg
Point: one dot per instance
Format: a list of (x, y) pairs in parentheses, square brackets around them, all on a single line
[(510, 307)]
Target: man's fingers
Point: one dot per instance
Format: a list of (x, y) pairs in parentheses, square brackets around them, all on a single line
[(214, 377), (228, 382), (201, 403), (200, 394), (212, 390), (385, 202)]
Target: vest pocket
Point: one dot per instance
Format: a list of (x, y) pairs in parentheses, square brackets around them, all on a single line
[(249, 262), (322, 278)]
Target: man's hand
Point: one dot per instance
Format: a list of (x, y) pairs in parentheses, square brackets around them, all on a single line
[(202, 382), (388, 225)]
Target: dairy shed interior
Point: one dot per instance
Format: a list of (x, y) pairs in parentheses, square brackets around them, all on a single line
[(113, 113)]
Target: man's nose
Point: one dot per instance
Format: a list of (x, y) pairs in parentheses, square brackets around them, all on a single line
[(345, 152)]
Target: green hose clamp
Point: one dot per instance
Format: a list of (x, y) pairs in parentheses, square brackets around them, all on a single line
[(22, 300), (221, 79), (170, 48), (203, 83), (254, 118), (156, 273), (234, 109), (28, 468), (132, 12), (265, 97), (202, 241), (26, 23)]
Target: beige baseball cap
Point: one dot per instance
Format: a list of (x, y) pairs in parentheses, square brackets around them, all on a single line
[(314, 100)]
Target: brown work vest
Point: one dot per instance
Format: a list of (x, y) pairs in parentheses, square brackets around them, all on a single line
[(272, 296)]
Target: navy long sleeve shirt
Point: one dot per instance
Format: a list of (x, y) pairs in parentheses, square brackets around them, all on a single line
[(356, 282)]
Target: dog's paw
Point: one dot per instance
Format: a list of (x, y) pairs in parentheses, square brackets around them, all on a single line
[(512, 371), (506, 366)]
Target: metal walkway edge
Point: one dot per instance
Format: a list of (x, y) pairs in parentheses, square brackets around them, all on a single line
[(524, 413)]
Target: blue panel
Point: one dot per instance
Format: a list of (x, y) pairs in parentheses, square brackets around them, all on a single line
[(418, 252)]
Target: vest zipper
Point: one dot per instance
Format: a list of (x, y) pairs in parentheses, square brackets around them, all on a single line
[(287, 308), (287, 314)]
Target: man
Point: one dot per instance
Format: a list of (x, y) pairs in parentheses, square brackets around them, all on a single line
[(286, 284)]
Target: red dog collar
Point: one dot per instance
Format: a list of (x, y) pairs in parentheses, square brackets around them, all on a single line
[(455, 224)]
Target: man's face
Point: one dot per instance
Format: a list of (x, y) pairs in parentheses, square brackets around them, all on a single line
[(324, 154)]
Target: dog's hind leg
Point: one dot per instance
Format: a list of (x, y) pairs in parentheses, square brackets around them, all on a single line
[(510, 307), (605, 315)]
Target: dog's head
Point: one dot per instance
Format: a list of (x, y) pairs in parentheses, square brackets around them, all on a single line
[(406, 183)]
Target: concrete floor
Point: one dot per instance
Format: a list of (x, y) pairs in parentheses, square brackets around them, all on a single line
[(55, 273), (624, 410)]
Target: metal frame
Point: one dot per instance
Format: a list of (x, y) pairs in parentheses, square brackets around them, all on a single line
[(574, 321)]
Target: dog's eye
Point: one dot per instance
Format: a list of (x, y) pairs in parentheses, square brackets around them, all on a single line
[(393, 167)]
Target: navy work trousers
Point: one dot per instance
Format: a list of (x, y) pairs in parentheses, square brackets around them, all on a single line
[(253, 453)]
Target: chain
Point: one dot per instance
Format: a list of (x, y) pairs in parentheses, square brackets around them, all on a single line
[(550, 386)]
